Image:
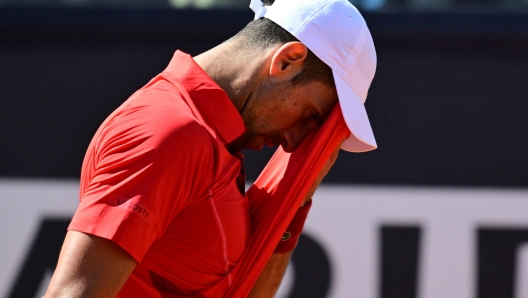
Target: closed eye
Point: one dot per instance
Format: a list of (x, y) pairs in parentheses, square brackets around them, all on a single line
[(316, 118)]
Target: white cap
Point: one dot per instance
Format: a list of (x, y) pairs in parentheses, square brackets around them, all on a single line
[(337, 34)]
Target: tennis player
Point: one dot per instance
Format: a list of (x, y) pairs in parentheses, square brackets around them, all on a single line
[(163, 211)]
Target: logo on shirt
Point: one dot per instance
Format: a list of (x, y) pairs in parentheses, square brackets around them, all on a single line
[(136, 208)]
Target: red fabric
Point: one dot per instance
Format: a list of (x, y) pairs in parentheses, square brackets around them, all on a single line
[(158, 181), (289, 240), (278, 193)]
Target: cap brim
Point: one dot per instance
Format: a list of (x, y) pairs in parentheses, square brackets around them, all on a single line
[(361, 138)]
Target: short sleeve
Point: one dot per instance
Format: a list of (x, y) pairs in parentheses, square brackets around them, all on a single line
[(149, 162)]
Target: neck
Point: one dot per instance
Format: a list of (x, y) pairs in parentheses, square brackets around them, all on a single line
[(236, 71)]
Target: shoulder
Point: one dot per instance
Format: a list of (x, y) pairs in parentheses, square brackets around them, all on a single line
[(175, 135), (157, 125), (175, 125)]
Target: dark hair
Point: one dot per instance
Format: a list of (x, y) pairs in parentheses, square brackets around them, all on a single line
[(263, 33)]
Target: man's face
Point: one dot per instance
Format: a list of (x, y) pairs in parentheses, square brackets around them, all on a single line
[(279, 114)]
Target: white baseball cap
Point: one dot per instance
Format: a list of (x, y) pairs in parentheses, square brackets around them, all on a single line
[(337, 34)]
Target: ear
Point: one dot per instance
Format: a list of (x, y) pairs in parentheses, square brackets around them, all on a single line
[(287, 61)]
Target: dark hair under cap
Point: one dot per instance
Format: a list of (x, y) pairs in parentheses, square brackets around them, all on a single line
[(263, 33)]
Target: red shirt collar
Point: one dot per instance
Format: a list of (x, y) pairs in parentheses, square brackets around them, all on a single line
[(212, 100)]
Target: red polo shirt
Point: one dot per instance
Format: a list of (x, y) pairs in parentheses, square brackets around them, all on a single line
[(158, 181)]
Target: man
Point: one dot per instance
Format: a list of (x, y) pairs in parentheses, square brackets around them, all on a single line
[(163, 211)]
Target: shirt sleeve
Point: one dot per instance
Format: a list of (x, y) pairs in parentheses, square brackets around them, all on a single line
[(148, 162)]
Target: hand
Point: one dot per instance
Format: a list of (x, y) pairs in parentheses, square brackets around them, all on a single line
[(321, 175)]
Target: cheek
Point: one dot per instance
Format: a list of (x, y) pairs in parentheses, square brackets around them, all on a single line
[(274, 113), (281, 119)]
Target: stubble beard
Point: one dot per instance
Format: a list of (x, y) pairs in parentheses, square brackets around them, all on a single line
[(257, 113)]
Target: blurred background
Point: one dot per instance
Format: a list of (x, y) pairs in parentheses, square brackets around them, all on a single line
[(439, 210)]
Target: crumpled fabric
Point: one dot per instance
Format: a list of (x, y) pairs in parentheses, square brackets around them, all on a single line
[(277, 194)]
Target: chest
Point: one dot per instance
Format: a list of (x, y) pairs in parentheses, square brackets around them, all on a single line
[(205, 239)]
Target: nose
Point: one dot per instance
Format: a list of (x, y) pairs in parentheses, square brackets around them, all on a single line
[(294, 137)]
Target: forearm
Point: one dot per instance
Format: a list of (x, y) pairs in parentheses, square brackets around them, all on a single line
[(270, 279)]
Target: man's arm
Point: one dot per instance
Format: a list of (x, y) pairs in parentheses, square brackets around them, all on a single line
[(270, 279), (90, 266)]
